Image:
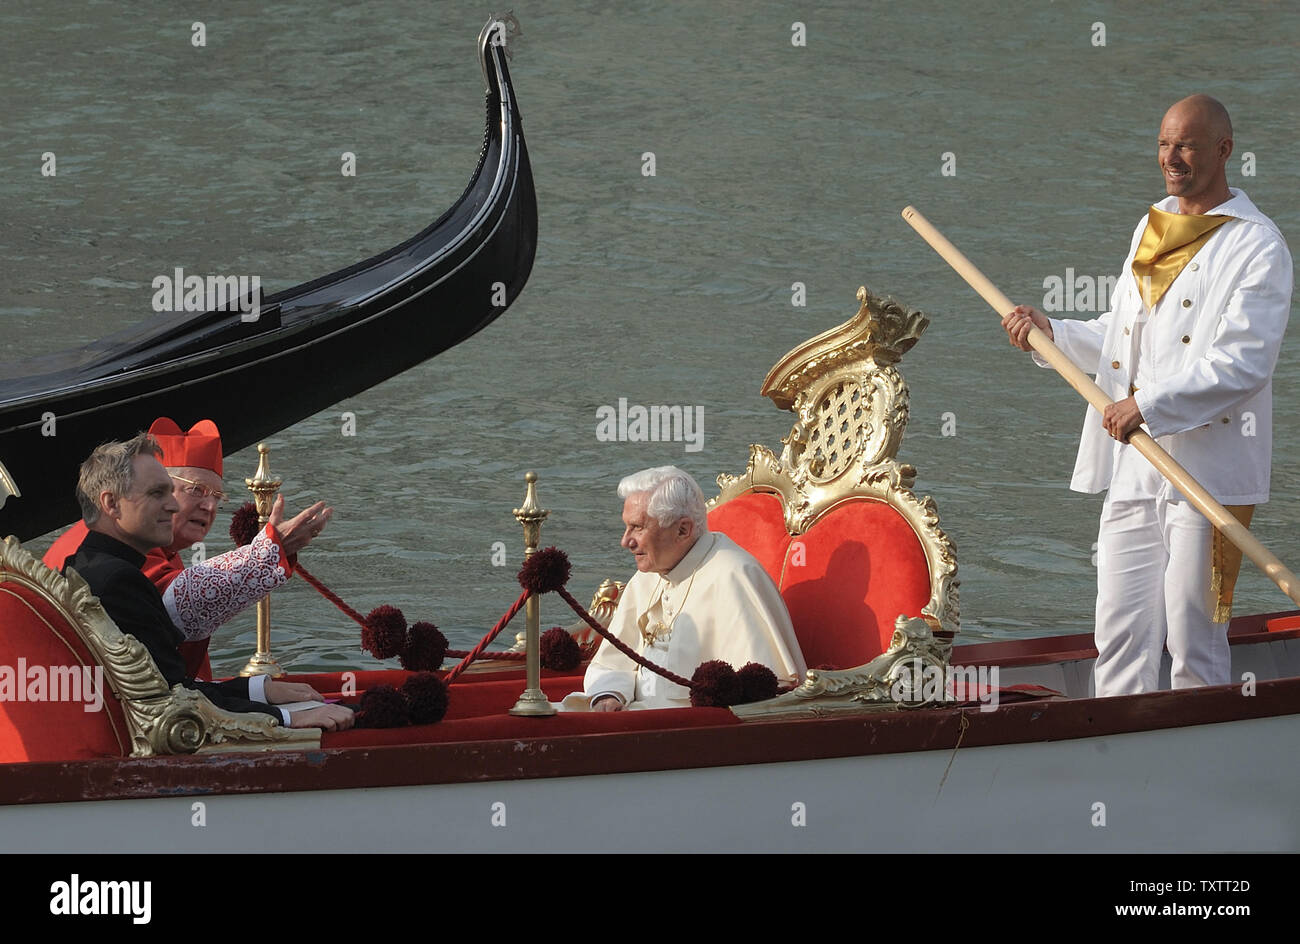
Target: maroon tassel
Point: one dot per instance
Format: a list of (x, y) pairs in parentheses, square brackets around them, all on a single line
[(715, 684), (546, 570), (384, 634)]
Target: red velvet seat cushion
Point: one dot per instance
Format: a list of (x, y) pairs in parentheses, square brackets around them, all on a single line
[(849, 577), (478, 710), (472, 695), (33, 631)]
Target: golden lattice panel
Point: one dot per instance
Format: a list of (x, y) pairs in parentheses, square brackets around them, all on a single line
[(842, 422), (851, 407)]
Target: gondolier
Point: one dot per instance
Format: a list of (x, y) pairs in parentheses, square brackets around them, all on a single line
[(1187, 350)]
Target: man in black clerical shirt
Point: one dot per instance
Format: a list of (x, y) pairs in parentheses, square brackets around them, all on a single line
[(126, 501)]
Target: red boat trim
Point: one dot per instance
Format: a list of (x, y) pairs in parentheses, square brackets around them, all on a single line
[(682, 749), (1043, 650)]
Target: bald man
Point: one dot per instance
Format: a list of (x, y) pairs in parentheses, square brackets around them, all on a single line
[(1187, 351)]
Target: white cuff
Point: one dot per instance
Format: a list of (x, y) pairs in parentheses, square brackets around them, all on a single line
[(257, 689), (1038, 358)]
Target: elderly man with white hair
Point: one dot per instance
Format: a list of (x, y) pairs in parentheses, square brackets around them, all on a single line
[(696, 596)]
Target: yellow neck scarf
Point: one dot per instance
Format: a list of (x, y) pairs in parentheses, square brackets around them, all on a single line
[(1169, 243)]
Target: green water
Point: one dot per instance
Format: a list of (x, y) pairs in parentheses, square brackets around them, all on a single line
[(1029, 143)]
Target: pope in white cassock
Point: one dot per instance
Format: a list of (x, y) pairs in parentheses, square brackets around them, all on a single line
[(696, 596)]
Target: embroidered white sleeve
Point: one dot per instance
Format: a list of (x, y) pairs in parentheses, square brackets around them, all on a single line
[(206, 595)]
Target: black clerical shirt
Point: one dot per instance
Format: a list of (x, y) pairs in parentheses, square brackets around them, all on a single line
[(112, 569)]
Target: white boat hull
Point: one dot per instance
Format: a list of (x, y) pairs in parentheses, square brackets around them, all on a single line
[(1202, 788)]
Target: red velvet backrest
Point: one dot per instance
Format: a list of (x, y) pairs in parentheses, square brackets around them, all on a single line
[(755, 521), (849, 577), (34, 640), (845, 581)]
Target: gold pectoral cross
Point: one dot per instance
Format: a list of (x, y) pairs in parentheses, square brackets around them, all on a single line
[(656, 632)]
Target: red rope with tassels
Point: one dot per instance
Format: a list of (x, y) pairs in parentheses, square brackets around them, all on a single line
[(620, 646), (503, 656), (543, 578), (334, 598), (329, 594), (491, 635), (478, 652)]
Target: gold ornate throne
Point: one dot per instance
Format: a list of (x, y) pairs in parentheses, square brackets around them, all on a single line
[(73, 686), (867, 573)]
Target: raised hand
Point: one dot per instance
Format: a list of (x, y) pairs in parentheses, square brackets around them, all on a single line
[(299, 531)]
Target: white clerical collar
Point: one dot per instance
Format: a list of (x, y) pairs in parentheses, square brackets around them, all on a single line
[(693, 558), (1237, 205)]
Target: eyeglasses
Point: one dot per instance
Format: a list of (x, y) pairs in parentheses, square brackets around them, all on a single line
[(200, 491)]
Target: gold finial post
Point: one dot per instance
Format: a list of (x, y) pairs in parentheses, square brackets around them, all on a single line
[(533, 702), (264, 487)]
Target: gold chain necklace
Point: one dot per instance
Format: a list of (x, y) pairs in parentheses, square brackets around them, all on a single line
[(657, 631)]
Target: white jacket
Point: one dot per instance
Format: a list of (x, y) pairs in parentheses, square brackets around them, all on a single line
[(1216, 334)]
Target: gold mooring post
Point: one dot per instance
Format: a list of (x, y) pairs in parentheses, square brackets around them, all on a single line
[(264, 488), (533, 702)]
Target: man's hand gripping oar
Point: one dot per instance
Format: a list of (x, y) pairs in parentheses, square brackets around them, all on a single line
[(1116, 418), (1121, 419)]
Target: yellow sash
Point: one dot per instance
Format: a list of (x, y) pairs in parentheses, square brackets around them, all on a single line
[(1170, 241), (1226, 564)]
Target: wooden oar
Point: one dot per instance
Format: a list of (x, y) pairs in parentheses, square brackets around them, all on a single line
[(1205, 503)]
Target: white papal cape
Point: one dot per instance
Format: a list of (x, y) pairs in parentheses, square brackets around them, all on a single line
[(720, 604)]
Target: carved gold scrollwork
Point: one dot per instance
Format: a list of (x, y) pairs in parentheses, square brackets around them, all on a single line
[(183, 734), (160, 719), (897, 678), (851, 409), (603, 604), (172, 724)]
